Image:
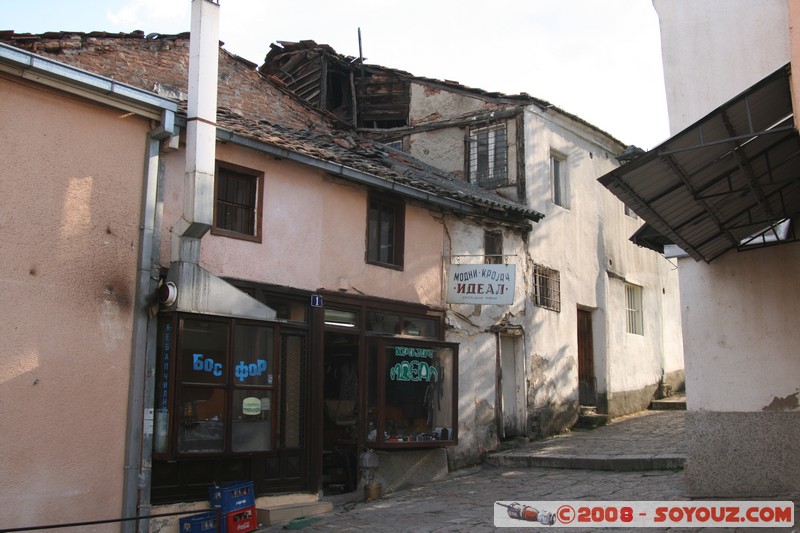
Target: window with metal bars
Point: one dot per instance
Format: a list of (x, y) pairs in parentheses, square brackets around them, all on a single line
[(633, 309), (237, 202), (487, 156), (547, 288)]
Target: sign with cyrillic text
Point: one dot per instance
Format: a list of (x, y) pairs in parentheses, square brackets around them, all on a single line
[(481, 284)]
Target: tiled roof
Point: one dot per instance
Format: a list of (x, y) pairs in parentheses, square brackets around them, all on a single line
[(378, 160)]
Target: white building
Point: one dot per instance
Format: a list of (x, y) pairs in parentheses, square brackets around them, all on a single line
[(719, 193)]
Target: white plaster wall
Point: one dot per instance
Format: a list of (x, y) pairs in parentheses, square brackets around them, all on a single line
[(469, 325), (739, 323), (314, 235), (714, 49), (588, 243), (730, 366), (71, 195)]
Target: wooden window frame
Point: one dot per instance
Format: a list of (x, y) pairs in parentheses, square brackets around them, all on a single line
[(257, 198), (634, 312), (398, 231)]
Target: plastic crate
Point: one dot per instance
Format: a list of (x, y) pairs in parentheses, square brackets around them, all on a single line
[(242, 520), (199, 523), (232, 496)]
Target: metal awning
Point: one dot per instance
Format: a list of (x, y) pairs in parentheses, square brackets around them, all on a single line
[(720, 183)]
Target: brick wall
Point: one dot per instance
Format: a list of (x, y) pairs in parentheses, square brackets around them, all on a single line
[(161, 64)]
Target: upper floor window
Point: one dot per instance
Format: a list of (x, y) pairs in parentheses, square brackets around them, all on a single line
[(547, 288), (487, 156), (237, 202), (630, 212), (633, 308), (493, 247), (385, 231), (558, 180)]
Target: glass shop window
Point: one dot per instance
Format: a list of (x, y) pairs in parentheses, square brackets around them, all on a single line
[(222, 398), (412, 394)]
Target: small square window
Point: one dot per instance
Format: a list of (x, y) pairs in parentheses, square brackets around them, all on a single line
[(385, 232), (558, 176), (633, 308), (493, 247), (547, 288), (237, 202)]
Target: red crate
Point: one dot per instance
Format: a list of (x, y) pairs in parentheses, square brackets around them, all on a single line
[(242, 520), (232, 496)]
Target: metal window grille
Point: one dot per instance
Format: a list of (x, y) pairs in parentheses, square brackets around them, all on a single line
[(487, 150), (547, 288), (633, 308)]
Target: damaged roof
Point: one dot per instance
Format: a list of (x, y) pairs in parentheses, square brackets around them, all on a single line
[(293, 64), (273, 125), (361, 159)]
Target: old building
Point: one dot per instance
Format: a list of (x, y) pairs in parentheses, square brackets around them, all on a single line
[(602, 321), (214, 283), (721, 195)]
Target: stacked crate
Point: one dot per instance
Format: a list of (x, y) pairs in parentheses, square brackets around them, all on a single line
[(233, 504), (237, 504)]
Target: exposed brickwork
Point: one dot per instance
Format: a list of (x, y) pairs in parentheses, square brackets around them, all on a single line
[(162, 63)]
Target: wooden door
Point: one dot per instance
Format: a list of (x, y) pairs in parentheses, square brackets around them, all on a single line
[(587, 383)]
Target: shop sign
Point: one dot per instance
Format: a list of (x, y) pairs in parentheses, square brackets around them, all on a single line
[(415, 369), (481, 284)]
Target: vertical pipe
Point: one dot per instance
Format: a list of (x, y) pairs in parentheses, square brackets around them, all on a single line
[(140, 420)]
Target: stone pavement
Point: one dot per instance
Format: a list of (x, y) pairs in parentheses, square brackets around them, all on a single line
[(465, 500), (651, 440)]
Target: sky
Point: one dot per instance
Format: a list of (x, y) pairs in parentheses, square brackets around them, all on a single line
[(597, 59)]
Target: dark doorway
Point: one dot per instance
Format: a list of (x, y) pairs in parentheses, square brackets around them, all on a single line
[(340, 429), (587, 382)]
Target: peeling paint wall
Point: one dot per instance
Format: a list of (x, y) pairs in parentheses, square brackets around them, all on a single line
[(587, 241), (473, 327)]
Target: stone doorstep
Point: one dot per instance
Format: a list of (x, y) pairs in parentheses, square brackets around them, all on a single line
[(278, 514)]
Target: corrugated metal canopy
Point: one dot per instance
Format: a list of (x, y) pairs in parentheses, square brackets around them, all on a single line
[(733, 174)]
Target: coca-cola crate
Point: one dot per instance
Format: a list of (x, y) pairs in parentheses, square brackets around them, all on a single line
[(242, 520), (232, 496)]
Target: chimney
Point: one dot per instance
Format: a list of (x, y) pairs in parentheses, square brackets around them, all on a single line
[(201, 118), (197, 290)]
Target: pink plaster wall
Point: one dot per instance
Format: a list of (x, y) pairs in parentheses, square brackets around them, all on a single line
[(314, 235), (71, 194)]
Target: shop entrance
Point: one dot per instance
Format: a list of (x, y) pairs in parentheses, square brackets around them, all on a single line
[(340, 426)]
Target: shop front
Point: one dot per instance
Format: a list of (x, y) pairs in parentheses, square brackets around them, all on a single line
[(291, 403)]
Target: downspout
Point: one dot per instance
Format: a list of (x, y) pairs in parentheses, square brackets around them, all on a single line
[(138, 443)]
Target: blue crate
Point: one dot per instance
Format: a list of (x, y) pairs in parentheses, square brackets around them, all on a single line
[(200, 523), (232, 496)]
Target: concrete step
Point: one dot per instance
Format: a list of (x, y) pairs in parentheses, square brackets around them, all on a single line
[(673, 403), (617, 463), (279, 514)]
